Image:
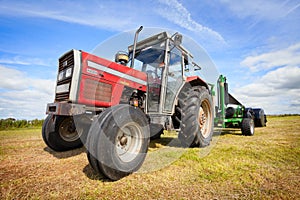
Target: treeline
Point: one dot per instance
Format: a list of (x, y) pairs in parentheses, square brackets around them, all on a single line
[(12, 123), (284, 115)]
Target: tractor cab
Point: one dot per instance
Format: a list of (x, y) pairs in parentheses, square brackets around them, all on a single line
[(164, 60)]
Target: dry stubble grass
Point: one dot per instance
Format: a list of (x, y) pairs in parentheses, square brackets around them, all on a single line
[(265, 166)]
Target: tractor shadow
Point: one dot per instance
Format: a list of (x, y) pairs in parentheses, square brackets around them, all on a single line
[(154, 144), (165, 141), (65, 154), (91, 174), (87, 170)]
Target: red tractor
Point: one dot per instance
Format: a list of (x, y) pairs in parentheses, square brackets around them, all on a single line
[(114, 108)]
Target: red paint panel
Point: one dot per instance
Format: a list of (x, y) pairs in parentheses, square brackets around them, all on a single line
[(114, 66), (197, 79), (88, 90), (99, 92), (102, 89)]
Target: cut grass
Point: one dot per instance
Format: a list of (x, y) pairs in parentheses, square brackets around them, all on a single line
[(265, 166)]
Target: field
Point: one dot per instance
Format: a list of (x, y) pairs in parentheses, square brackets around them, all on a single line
[(265, 166)]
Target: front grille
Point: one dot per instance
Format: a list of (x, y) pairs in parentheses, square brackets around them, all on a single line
[(66, 61), (97, 91), (62, 96)]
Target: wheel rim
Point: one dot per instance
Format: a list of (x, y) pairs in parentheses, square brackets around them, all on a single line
[(205, 118), (129, 142), (251, 127), (67, 130)]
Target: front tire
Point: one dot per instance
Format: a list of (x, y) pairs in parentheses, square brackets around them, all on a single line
[(60, 133), (196, 116), (118, 141)]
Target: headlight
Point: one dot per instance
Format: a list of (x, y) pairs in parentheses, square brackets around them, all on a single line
[(68, 72), (64, 74), (61, 76)]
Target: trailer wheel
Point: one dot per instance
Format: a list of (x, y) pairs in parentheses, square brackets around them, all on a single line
[(260, 117), (196, 113), (118, 140), (60, 133), (247, 127)]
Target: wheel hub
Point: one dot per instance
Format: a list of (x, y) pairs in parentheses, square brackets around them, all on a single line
[(128, 142), (68, 131), (123, 140), (202, 118)]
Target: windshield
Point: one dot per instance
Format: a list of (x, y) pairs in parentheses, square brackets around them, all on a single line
[(150, 57)]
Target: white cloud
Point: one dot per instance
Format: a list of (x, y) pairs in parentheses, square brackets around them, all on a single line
[(261, 9), (277, 92), (285, 78), (285, 57), (17, 80), (292, 9), (274, 82), (278, 89), (19, 60), (11, 79), (175, 12), (23, 97)]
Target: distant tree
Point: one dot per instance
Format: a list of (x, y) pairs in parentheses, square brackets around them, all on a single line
[(11, 123)]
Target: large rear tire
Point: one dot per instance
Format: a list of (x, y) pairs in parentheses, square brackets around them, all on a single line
[(196, 116), (60, 133), (118, 141)]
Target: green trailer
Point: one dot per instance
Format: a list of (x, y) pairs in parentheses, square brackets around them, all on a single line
[(230, 113)]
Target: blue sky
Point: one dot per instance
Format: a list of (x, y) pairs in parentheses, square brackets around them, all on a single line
[(256, 44)]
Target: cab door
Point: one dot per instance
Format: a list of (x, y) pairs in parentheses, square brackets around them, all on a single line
[(174, 78)]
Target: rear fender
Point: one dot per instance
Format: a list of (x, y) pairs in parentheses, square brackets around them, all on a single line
[(196, 81)]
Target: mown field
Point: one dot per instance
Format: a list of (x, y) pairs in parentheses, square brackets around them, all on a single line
[(265, 166)]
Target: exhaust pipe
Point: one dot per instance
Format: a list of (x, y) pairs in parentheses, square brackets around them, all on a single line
[(134, 45)]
